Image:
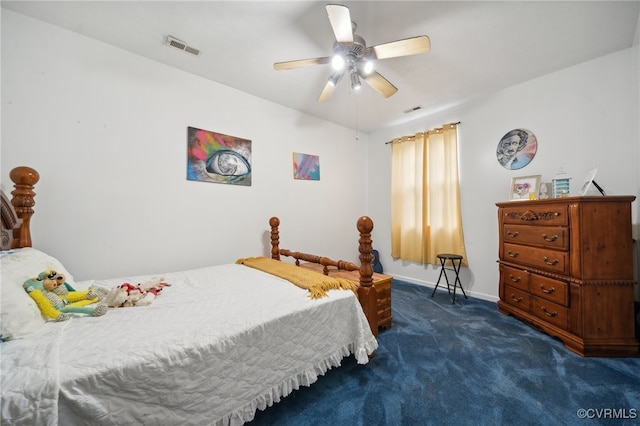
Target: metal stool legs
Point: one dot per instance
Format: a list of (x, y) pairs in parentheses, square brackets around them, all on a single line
[(455, 268)]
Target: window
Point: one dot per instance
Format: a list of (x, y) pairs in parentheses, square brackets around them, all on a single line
[(425, 196)]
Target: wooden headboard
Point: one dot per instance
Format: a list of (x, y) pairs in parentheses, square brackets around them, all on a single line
[(16, 214)]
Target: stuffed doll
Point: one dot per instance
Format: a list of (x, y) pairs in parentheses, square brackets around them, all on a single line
[(127, 294), (56, 282), (57, 299)]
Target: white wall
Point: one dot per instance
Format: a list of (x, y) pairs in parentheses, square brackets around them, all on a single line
[(583, 116), (107, 131)]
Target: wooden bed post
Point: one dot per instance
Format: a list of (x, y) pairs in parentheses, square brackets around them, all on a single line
[(366, 290), (24, 178), (275, 238)]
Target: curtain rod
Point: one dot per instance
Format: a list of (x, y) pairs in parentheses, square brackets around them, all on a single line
[(437, 128)]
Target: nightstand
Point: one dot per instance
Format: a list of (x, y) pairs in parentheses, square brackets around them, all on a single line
[(381, 283)]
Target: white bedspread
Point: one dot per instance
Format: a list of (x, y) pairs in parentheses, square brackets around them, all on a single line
[(218, 344)]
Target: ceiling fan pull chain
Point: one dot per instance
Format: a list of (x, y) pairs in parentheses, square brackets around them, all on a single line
[(357, 138)]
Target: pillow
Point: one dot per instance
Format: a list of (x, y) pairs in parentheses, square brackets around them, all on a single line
[(19, 314)]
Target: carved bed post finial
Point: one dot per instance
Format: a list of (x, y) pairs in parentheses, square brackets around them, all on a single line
[(274, 222), (365, 226), (366, 291), (24, 178)]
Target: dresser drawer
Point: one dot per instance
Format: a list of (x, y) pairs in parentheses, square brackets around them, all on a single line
[(539, 215), (517, 298), (550, 289), (549, 260), (384, 317), (383, 293), (514, 277), (541, 236), (550, 312)]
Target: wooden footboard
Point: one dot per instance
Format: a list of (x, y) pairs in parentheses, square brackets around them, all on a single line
[(366, 291)]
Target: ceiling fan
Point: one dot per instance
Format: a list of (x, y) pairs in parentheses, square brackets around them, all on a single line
[(352, 56)]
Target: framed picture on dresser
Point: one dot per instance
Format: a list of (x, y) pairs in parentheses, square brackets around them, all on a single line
[(524, 188)]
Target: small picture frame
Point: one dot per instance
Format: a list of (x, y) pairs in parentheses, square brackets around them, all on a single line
[(524, 188), (588, 181), (545, 190)]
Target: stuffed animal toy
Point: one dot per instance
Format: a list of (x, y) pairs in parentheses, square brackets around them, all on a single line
[(55, 282), (127, 294), (136, 296), (57, 299), (117, 296)]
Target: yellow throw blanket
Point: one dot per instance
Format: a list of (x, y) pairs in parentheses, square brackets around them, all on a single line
[(316, 283)]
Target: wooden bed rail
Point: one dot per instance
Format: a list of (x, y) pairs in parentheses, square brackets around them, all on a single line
[(364, 225), (366, 291), (24, 179), (324, 261)]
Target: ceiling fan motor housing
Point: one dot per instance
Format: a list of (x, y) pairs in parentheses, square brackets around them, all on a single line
[(359, 46), (351, 51)]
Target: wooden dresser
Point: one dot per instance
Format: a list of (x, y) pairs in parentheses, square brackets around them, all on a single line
[(382, 284), (566, 268)]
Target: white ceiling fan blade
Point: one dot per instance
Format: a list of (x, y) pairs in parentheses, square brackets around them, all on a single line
[(327, 92), (340, 20), (406, 47), (380, 84), (288, 65)]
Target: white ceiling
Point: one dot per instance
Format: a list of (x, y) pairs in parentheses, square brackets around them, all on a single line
[(476, 47)]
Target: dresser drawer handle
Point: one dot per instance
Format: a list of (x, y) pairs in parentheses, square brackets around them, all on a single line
[(516, 299), (553, 262), (512, 234), (513, 254), (549, 239), (515, 279), (544, 290), (549, 314)]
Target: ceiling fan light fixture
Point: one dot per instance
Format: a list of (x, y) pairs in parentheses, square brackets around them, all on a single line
[(366, 67), (355, 81), (338, 62), (335, 78)]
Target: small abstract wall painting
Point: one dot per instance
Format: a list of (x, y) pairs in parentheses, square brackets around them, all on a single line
[(215, 157), (306, 166)]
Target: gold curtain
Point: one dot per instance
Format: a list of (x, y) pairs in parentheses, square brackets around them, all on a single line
[(425, 196)]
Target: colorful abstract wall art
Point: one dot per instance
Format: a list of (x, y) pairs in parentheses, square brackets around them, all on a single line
[(306, 166), (214, 157)]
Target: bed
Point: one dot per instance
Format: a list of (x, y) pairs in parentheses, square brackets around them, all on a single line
[(185, 358)]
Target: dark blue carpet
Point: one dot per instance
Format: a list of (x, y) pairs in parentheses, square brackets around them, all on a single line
[(464, 364)]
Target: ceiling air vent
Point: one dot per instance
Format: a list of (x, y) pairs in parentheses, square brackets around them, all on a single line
[(178, 44), (416, 108)]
